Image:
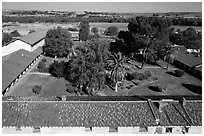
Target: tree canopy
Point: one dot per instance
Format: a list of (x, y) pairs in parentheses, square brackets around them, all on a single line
[(189, 38), (86, 69), (57, 43), (84, 30), (111, 31), (15, 33), (153, 28), (6, 38)]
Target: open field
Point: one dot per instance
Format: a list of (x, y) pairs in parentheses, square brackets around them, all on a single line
[(24, 28)]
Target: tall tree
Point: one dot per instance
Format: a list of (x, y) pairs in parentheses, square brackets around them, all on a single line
[(86, 69), (152, 27), (116, 64), (84, 31), (167, 51), (58, 43)]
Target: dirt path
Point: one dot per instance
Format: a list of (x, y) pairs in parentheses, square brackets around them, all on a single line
[(38, 73)]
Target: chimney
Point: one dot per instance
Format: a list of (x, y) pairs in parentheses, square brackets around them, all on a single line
[(161, 105), (64, 98), (184, 101)]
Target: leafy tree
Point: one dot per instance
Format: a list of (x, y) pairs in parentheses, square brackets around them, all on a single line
[(111, 31), (57, 69), (152, 27), (15, 33), (58, 43), (190, 33), (84, 31), (86, 69), (6, 38), (116, 64), (168, 52)]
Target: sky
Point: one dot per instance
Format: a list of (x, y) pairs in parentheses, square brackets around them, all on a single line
[(138, 7)]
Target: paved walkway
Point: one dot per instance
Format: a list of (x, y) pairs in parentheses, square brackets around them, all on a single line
[(38, 73)]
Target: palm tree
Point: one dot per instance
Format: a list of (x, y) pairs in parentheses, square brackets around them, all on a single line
[(170, 52), (116, 64)]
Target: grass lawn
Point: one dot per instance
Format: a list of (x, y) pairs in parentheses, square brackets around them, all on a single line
[(185, 85), (51, 86)]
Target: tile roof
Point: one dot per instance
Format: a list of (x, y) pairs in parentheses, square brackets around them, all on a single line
[(34, 37), (194, 110), (188, 59), (98, 113), (174, 114), (14, 63), (75, 114)]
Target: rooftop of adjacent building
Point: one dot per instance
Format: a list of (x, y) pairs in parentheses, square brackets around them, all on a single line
[(53, 112)]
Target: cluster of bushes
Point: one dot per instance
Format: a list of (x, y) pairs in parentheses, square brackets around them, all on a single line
[(36, 89), (42, 66), (138, 76)]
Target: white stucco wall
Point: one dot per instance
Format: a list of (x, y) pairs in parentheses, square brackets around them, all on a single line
[(14, 46), (41, 43), (96, 130)]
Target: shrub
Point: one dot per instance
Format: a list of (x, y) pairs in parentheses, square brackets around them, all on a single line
[(129, 77), (136, 75), (36, 89), (42, 66), (70, 89), (154, 78), (44, 60), (179, 73)]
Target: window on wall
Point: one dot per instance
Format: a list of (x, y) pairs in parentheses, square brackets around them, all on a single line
[(18, 128), (158, 130), (185, 130), (36, 130), (143, 129), (169, 130), (113, 129), (88, 128)]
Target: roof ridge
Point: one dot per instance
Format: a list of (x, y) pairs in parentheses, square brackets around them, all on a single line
[(187, 116), (188, 121)]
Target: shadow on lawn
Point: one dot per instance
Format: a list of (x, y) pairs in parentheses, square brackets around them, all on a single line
[(154, 88), (171, 73), (193, 88)]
